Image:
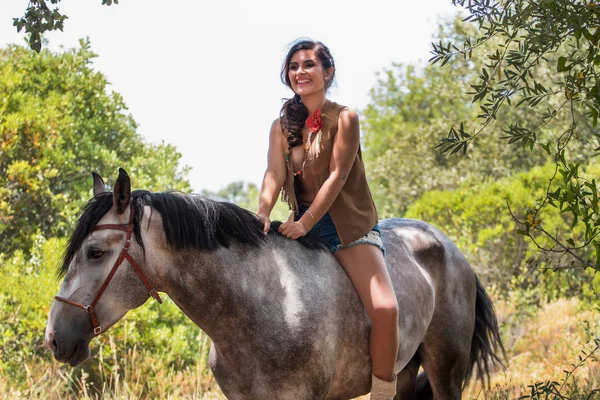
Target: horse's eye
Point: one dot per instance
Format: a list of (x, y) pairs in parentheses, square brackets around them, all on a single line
[(94, 254)]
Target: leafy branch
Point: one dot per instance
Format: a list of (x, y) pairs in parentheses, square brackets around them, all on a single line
[(564, 36), (39, 18)]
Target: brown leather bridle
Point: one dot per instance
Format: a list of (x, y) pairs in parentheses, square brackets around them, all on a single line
[(124, 254)]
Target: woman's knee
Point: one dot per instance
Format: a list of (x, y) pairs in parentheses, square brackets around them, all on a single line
[(385, 311)]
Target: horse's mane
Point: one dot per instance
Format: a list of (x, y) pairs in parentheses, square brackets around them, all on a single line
[(189, 222)]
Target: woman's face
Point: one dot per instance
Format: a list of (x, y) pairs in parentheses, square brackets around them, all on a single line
[(306, 73)]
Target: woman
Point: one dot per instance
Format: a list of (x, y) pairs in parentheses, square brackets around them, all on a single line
[(315, 158)]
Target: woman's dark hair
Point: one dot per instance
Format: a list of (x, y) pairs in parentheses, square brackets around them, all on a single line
[(293, 114)]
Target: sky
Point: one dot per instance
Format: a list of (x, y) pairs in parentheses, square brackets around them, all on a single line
[(204, 75)]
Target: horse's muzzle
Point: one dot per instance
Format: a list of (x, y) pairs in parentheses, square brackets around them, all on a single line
[(71, 353)]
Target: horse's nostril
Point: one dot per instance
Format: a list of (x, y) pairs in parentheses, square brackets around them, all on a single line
[(54, 346)]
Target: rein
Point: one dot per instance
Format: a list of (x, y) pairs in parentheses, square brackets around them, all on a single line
[(124, 254)]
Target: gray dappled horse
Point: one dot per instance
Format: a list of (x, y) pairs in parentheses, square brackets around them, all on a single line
[(284, 318)]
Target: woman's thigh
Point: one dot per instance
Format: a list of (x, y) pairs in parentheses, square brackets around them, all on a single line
[(365, 265)]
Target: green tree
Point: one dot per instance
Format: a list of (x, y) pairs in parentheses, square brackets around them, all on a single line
[(490, 241), (58, 123), (410, 109), (543, 58)]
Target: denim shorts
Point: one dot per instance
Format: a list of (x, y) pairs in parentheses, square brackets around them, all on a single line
[(326, 230)]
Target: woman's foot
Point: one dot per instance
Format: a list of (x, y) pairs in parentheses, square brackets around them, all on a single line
[(382, 390)]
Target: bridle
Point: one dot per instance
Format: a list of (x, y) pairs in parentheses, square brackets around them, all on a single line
[(124, 254)]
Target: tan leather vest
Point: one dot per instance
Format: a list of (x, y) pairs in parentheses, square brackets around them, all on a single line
[(353, 211)]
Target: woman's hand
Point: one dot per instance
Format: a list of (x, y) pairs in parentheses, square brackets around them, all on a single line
[(267, 222), (292, 229)]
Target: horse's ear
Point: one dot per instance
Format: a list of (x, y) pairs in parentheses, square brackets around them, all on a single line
[(122, 192), (99, 186)]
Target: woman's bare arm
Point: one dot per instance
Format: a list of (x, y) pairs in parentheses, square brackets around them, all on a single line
[(274, 175)]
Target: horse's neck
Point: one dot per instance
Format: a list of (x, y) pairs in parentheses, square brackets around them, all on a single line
[(213, 288)]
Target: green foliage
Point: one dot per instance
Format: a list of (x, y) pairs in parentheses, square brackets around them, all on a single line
[(543, 57), (58, 123), (23, 317), (39, 18), (472, 217), (410, 109)]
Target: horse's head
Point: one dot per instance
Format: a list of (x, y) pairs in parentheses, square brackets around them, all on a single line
[(102, 279)]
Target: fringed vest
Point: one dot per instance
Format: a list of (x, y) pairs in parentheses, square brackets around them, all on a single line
[(353, 211)]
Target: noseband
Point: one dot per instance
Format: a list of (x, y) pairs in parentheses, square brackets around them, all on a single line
[(124, 254)]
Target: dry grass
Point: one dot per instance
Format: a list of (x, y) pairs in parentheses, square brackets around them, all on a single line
[(543, 347), (136, 376)]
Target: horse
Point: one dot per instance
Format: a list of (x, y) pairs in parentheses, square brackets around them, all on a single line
[(284, 318)]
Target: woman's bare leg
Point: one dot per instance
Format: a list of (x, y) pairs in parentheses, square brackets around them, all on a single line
[(365, 265)]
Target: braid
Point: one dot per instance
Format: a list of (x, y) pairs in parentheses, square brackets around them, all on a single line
[(293, 116)]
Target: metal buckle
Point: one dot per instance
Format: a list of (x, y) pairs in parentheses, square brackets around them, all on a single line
[(97, 330), (87, 308), (155, 295)]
